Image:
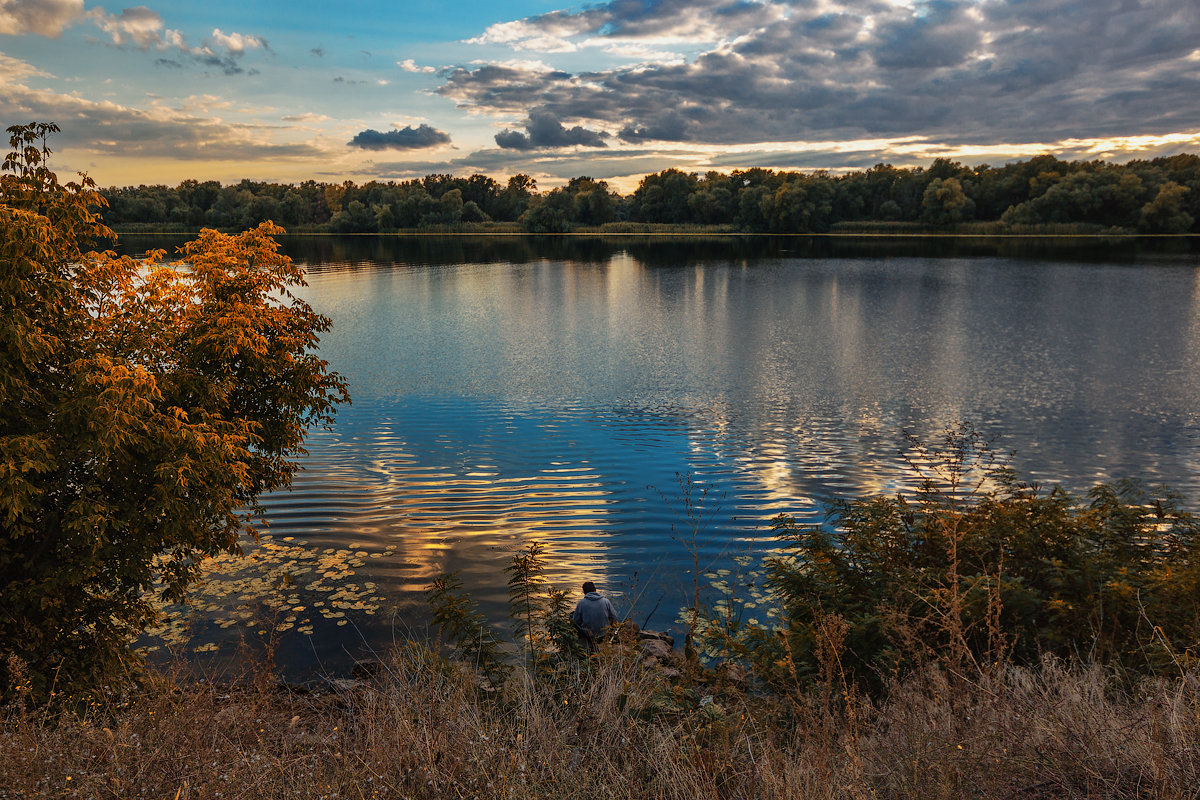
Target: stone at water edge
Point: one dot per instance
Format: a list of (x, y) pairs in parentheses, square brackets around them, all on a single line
[(662, 636)]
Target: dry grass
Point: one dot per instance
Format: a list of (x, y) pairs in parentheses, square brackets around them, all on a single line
[(1049, 732), (423, 729)]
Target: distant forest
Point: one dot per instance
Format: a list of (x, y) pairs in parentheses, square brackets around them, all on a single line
[(1155, 196)]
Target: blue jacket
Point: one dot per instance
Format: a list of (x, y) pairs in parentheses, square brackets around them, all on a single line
[(594, 613)]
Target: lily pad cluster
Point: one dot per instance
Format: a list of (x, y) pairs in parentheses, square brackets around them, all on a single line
[(744, 604), (279, 586)]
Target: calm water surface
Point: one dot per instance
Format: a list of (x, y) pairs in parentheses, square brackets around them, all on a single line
[(507, 392)]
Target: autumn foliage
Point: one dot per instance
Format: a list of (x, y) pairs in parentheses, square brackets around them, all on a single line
[(143, 407)]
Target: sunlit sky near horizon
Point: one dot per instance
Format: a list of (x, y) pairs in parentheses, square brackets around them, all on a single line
[(364, 90)]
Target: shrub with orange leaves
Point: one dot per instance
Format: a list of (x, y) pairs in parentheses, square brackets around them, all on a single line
[(144, 406)]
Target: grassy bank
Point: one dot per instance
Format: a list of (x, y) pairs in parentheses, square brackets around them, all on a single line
[(610, 727)]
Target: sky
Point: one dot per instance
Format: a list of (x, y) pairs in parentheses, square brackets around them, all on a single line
[(362, 90)]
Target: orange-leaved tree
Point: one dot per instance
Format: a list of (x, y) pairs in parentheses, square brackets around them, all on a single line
[(144, 406)]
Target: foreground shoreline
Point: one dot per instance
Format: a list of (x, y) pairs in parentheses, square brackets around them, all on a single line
[(611, 727)]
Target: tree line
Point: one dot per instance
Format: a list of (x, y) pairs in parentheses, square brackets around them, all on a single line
[(1160, 195)]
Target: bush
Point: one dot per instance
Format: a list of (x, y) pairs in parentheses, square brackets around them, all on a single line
[(143, 409), (976, 568)]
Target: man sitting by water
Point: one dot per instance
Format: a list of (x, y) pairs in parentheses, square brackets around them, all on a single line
[(592, 614)]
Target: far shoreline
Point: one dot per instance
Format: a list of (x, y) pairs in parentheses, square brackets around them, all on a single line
[(680, 231)]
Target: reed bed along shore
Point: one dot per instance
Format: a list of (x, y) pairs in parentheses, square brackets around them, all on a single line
[(609, 727)]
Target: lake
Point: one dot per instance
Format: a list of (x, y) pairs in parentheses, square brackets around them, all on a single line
[(566, 390)]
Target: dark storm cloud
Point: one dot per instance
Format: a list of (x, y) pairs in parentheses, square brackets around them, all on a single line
[(945, 36), (407, 138), (508, 88), (963, 71), (671, 127), (544, 130)]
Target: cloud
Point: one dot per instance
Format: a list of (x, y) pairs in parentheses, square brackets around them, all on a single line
[(513, 89), (110, 130), (959, 71), (659, 21), (643, 53), (204, 104), (13, 70), (408, 65), (238, 43), (942, 37), (670, 127), (517, 65), (540, 33), (138, 27), (43, 17), (543, 129), (406, 138), (306, 117), (220, 50)]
